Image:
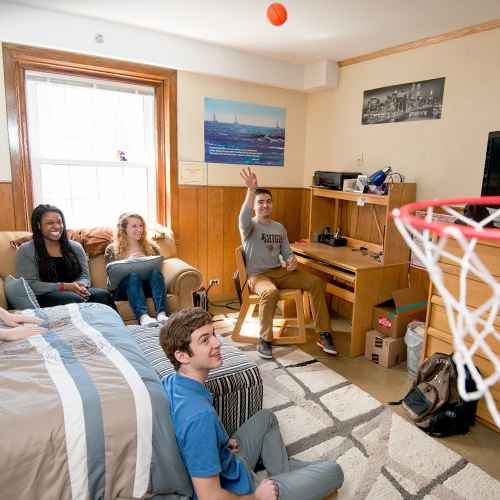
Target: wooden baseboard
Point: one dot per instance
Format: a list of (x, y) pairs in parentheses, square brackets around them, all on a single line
[(229, 297), (487, 423)]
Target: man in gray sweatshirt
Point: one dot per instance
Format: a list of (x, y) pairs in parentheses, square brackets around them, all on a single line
[(264, 242)]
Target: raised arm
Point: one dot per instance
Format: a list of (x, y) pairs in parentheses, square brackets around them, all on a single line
[(251, 184)]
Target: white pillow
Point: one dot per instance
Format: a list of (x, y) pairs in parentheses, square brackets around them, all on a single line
[(19, 294), (142, 266)]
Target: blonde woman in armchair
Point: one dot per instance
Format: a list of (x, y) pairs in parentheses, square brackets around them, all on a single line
[(130, 242)]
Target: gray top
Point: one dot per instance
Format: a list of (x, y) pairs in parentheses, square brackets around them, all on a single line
[(263, 243), (27, 268)]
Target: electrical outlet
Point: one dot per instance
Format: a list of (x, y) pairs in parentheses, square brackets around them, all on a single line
[(359, 159), (214, 282)]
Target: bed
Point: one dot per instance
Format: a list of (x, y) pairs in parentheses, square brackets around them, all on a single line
[(83, 414)]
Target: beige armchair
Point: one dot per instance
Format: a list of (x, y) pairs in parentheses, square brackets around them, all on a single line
[(181, 279)]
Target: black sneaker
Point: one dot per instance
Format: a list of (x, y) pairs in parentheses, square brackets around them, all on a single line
[(326, 342), (264, 349)]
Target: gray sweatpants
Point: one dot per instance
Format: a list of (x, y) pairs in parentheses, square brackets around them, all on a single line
[(260, 437)]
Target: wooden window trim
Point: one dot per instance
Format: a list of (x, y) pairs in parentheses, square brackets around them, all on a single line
[(20, 58)]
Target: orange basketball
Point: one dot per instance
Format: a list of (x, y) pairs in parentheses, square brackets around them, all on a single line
[(276, 14)]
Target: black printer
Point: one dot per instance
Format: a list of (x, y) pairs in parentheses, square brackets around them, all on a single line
[(333, 180)]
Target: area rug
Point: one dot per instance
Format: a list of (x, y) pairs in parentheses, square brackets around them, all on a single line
[(383, 456)]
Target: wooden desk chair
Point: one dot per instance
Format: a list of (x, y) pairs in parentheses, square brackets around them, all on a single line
[(250, 300)]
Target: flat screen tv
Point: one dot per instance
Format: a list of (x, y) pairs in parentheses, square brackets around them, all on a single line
[(491, 177)]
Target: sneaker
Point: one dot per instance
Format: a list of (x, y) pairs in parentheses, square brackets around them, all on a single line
[(264, 349), (326, 342), (149, 321), (162, 319)]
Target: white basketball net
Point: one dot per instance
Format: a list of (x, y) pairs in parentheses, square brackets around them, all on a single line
[(464, 320)]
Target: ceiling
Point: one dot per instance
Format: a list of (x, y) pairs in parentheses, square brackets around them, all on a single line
[(314, 31)]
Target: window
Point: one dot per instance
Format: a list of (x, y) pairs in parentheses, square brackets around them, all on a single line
[(19, 59), (91, 147)]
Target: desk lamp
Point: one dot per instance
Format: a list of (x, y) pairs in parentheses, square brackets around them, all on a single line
[(379, 177)]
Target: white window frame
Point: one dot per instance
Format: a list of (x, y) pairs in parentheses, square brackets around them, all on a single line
[(76, 81)]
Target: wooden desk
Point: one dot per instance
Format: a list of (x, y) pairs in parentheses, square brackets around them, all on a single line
[(372, 282)]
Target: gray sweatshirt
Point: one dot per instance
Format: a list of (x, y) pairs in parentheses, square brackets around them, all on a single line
[(263, 243), (27, 268)]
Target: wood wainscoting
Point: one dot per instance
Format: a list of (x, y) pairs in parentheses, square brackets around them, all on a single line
[(208, 227)]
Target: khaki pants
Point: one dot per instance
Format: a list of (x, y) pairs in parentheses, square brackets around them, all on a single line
[(266, 285)]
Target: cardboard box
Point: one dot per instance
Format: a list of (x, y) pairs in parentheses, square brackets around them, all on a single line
[(385, 350), (407, 305)]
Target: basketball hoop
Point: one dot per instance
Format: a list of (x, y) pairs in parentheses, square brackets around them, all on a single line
[(464, 320)]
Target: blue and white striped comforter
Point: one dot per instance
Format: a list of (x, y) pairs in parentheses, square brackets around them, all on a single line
[(83, 414)]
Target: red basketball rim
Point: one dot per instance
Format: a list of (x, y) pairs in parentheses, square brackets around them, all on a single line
[(444, 229)]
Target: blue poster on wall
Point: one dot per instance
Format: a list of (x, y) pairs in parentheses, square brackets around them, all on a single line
[(243, 133)]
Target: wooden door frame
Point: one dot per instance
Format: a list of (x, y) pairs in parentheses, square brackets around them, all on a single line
[(17, 59)]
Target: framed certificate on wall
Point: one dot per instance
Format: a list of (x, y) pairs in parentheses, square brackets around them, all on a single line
[(193, 173)]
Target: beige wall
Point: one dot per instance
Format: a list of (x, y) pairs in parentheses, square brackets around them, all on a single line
[(323, 130), (444, 157), (192, 89)]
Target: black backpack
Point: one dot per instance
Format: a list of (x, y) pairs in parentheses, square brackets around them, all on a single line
[(434, 404)]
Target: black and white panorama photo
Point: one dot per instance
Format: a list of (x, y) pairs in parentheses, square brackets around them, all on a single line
[(405, 102)]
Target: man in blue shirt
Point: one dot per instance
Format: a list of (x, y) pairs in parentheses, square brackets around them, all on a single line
[(221, 468)]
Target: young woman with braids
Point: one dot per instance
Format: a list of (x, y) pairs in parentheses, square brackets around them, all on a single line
[(54, 266), (131, 241)]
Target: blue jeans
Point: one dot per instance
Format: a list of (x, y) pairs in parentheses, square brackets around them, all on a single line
[(135, 290), (61, 298)]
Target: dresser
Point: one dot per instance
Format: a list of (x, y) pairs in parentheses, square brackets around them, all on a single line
[(438, 336)]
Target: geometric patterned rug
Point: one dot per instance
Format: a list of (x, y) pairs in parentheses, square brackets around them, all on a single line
[(383, 456)]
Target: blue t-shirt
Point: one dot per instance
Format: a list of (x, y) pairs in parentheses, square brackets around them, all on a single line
[(201, 436)]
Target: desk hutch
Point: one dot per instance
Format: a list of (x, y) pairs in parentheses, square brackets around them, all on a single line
[(349, 273)]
